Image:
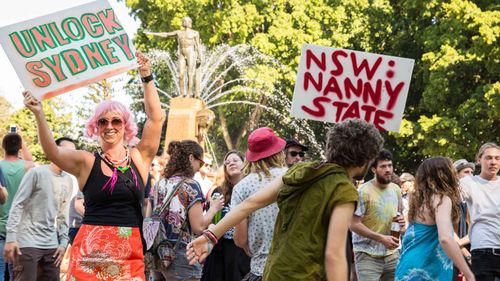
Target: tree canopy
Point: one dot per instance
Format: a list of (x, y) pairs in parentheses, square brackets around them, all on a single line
[(454, 99)]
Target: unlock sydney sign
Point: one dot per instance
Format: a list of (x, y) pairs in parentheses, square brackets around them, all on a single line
[(69, 49)]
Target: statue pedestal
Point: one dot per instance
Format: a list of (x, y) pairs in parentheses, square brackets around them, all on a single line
[(182, 123)]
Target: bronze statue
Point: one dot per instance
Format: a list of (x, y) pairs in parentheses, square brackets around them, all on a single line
[(189, 53)]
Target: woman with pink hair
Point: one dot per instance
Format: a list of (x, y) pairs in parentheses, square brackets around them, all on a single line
[(108, 245)]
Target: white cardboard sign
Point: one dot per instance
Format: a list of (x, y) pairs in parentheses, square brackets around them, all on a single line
[(62, 51), (337, 84)]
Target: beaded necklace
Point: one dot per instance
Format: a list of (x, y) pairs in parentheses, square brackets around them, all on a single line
[(117, 163), (117, 167)]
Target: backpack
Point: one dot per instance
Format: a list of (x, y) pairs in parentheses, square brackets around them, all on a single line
[(159, 251)]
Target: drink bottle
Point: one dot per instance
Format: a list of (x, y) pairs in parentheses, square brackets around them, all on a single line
[(395, 228)]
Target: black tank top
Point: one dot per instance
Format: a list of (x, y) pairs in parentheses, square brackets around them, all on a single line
[(120, 208)]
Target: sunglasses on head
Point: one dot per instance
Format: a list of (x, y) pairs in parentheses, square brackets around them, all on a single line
[(115, 122), (295, 153)]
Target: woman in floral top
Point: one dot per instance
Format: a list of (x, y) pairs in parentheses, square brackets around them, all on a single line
[(186, 158)]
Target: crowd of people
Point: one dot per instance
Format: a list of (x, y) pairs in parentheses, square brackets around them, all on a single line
[(268, 215)]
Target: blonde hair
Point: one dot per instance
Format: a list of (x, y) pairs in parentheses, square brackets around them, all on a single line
[(276, 160), (484, 147)]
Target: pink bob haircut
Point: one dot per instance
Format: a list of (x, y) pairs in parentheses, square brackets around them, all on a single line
[(92, 129)]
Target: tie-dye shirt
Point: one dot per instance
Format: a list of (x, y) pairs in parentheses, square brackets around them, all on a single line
[(376, 207)]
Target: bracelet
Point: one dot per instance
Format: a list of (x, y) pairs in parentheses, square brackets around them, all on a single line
[(210, 236), (148, 78)]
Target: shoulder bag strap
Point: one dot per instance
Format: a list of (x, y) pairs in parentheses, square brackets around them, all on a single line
[(166, 200)]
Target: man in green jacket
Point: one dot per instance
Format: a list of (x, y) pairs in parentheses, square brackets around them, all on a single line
[(316, 202)]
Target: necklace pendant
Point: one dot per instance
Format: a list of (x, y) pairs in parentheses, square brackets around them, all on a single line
[(123, 169)]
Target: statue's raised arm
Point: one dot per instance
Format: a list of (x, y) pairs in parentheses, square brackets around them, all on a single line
[(161, 34)]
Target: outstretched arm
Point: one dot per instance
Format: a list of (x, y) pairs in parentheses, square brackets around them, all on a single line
[(259, 200), (148, 145), (161, 34), (198, 249)]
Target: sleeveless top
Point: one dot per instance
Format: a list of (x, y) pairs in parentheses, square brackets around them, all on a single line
[(119, 207), (422, 258)]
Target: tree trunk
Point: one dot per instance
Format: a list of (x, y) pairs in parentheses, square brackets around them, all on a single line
[(225, 131), (251, 122)]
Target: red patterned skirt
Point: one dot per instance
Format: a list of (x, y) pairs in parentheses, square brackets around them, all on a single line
[(106, 253)]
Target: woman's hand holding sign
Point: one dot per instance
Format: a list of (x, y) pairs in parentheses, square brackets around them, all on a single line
[(32, 103)]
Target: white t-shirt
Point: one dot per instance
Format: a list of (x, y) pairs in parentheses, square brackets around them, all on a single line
[(261, 222), (483, 203)]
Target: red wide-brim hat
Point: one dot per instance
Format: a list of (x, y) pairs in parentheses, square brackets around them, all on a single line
[(263, 143)]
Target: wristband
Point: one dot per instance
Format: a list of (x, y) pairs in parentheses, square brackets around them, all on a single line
[(211, 236), (148, 78)]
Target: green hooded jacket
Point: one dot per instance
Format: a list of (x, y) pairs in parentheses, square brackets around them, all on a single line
[(306, 202)]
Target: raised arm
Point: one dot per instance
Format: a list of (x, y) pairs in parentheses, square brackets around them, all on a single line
[(27, 157), (446, 239), (199, 249), (71, 161), (148, 145)]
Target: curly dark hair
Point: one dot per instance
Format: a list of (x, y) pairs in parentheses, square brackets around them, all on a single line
[(227, 186), (435, 176), (12, 143), (179, 163), (353, 143)]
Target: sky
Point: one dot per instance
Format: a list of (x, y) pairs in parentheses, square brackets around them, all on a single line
[(20, 10)]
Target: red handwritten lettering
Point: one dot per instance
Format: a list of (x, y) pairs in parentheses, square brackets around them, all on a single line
[(352, 111), (311, 57), (332, 87), (368, 112), (349, 87), (393, 93), (318, 103), (374, 95), (378, 122), (317, 84), (340, 107), (339, 68), (364, 65)]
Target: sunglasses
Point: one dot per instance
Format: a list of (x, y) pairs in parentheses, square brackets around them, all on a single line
[(295, 153), (201, 160), (115, 122)]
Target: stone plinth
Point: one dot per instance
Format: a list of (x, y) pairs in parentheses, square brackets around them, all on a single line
[(182, 122)]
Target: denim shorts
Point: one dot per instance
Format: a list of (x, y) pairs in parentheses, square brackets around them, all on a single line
[(180, 268)]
